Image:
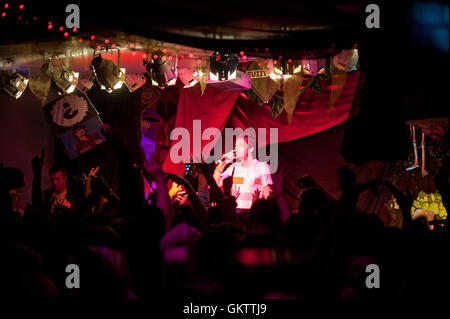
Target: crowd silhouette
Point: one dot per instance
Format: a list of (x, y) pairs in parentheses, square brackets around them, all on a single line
[(131, 247)]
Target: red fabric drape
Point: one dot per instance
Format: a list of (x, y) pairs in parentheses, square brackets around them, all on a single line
[(215, 109), (311, 114)]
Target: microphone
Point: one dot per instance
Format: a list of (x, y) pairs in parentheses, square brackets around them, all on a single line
[(228, 157)]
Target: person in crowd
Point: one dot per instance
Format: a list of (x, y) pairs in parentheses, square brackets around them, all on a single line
[(248, 174)]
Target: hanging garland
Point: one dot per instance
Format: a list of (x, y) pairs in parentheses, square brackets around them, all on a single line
[(276, 102)]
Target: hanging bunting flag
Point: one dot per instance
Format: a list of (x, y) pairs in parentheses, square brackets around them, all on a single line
[(39, 85), (343, 62), (313, 66), (347, 60), (189, 76), (291, 93), (204, 76), (84, 85), (76, 123), (262, 84), (134, 81)]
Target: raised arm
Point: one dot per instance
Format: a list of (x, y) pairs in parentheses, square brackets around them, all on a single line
[(36, 193), (153, 171)]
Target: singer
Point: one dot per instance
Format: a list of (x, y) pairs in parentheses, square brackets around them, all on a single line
[(250, 176)]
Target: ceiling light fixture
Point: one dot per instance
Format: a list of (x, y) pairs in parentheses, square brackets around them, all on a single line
[(108, 74), (12, 83), (223, 66)]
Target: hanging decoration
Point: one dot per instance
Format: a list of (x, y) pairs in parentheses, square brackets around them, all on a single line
[(338, 80), (291, 93), (204, 75), (75, 121), (134, 81), (39, 85), (262, 84), (346, 60)]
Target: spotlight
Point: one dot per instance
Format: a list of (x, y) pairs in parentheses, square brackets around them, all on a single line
[(12, 83), (223, 66), (108, 74), (63, 78), (160, 71)]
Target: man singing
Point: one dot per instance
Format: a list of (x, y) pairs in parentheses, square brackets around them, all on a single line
[(250, 176)]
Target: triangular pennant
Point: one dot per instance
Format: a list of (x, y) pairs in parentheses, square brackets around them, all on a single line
[(264, 86), (338, 80), (291, 93), (204, 76), (39, 85)]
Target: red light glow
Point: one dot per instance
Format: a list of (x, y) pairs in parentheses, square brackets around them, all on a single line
[(21, 7), (66, 34)]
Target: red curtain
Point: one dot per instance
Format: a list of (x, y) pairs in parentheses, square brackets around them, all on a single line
[(213, 108), (217, 108), (310, 117)]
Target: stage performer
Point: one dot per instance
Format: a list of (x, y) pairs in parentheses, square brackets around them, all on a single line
[(250, 176)]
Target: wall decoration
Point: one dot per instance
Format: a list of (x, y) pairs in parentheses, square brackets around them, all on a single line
[(75, 121)]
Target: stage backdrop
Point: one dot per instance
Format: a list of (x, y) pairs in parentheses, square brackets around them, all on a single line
[(220, 109), (310, 144)]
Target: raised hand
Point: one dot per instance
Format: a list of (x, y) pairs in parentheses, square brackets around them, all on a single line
[(278, 180), (92, 173), (153, 169), (87, 179), (227, 184), (37, 163), (256, 195)]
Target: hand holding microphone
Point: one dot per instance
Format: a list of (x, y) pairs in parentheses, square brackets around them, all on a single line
[(228, 157)]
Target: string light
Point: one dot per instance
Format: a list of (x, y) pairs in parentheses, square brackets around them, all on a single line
[(92, 37), (74, 30), (6, 5), (66, 34), (21, 7)]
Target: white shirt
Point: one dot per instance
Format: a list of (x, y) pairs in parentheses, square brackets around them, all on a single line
[(248, 179)]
